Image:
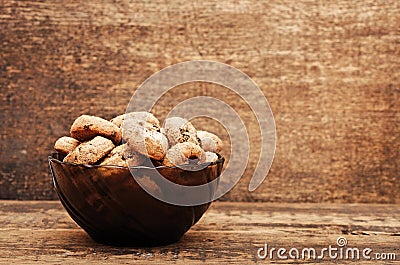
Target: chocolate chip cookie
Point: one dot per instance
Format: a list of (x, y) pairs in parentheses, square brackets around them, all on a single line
[(86, 127), (210, 142), (184, 153), (66, 145), (91, 151), (123, 156), (179, 130), (144, 140)]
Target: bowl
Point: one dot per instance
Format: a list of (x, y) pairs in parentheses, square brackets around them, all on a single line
[(108, 203), (114, 209)]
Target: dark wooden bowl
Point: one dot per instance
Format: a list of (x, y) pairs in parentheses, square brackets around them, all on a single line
[(113, 209)]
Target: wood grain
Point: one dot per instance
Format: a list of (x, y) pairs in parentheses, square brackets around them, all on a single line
[(329, 69), (33, 231)]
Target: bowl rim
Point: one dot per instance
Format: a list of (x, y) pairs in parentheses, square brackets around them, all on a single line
[(51, 157)]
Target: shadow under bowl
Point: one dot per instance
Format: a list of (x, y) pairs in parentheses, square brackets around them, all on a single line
[(108, 203)]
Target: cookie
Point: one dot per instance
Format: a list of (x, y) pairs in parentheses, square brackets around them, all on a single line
[(179, 130), (144, 140), (66, 145), (140, 115), (210, 142), (87, 127), (91, 151), (118, 120), (184, 153), (122, 156), (211, 157)]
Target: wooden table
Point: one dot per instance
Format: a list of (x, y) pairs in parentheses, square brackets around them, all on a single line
[(230, 232)]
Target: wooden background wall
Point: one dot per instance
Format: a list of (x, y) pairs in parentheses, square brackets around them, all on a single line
[(329, 69)]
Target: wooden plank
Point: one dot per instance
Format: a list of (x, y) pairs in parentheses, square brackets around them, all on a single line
[(329, 69), (50, 215), (41, 232)]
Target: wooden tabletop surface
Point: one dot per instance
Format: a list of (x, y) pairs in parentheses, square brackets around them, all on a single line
[(42, 232)]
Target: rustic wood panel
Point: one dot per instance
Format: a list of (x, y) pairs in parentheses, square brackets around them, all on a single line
[(228, 233), (330, 70)]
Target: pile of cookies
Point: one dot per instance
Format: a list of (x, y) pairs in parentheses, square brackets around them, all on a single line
[(134, 138)]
